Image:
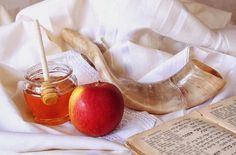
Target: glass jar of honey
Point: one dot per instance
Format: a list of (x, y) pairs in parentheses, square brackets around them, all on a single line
[(62, 79)]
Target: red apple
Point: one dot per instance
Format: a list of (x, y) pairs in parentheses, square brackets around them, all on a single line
[(96, 109)]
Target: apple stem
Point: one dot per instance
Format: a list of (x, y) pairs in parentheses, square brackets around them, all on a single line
[(98, 83)]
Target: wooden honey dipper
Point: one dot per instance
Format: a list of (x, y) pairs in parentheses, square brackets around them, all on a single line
[(49, 94)]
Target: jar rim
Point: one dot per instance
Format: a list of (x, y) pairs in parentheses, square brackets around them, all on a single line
[(38, 69)]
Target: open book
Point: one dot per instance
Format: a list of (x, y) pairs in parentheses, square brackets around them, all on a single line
[(211, 130)]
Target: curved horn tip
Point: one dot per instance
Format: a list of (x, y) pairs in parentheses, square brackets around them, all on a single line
[(206, 68)]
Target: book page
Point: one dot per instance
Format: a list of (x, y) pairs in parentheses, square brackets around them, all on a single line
[(132, 122), (188, 135), (222, 113)]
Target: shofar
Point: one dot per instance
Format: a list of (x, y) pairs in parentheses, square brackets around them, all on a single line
[(192, 85)]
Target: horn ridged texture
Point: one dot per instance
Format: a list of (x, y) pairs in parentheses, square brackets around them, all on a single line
[(194, 84)]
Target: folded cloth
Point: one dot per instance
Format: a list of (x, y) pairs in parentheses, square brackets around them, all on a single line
[(147, 41), (5, 18), (14, 6), (166, 26), (115, 20), (31, 142)]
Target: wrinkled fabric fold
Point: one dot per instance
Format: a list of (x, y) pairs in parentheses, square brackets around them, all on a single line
[(146, 41), (25, 142)]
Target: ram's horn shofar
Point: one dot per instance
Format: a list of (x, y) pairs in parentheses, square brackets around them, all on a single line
[(194, 84)]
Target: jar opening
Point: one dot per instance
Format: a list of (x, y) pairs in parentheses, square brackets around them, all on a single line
[(57, 72)]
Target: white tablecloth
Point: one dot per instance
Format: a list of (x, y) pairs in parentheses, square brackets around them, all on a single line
[(148, 41)]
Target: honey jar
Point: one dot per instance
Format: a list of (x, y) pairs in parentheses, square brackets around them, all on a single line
[(62, 79)]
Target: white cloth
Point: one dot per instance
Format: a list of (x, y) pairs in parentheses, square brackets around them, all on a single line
[(5, 18), (148, 41), (14, 6)]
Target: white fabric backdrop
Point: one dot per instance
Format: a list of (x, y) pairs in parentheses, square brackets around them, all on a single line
[(148, 41)]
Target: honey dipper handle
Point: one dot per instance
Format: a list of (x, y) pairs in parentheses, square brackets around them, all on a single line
[(42, 52)]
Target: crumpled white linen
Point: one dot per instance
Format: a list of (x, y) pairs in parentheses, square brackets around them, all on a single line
[(147, 41), (124, 25), (5, 18), (14, 6)]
